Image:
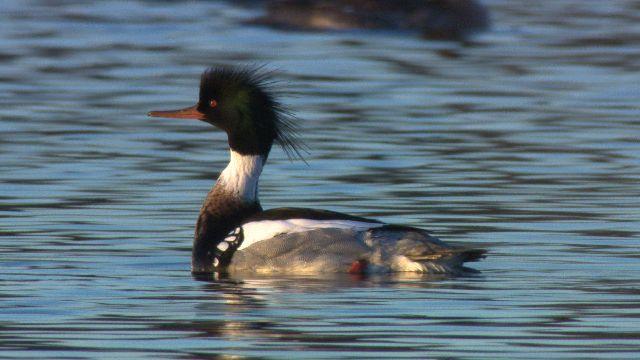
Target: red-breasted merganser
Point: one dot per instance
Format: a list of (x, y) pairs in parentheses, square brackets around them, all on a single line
[(234, 233), (448, 19)]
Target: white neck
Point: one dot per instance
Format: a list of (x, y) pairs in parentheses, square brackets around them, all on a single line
[(240, 177)]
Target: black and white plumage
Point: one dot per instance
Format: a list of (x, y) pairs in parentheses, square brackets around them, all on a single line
[(234, 233), (307, 241)]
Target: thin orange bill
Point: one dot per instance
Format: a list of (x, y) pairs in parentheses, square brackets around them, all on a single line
[(186, 113)]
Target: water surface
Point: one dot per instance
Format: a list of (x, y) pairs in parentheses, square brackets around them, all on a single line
[(523, 140)]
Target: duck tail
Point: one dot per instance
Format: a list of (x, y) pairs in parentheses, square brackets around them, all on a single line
[(457, 259), (470, 255)]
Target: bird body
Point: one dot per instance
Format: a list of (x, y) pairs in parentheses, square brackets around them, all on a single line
[(443, 19), (234, 233)]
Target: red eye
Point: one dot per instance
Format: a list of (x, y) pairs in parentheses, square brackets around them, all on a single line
[(213, 103)]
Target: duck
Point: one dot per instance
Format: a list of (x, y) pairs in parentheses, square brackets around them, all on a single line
[(235, 234), (440, 19)]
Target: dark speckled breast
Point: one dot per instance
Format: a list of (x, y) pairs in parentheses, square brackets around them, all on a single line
[(220, 214)]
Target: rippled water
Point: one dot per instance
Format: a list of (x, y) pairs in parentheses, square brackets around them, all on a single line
[(524, 140)]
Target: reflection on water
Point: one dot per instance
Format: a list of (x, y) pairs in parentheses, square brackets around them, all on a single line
[(523, 140)]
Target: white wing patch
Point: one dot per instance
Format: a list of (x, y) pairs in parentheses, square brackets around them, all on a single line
[(266, 229)]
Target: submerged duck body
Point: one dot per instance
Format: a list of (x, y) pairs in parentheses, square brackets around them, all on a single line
[(234, 233), (433, 18)]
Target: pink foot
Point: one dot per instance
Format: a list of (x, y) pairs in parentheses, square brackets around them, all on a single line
[(358, 267)]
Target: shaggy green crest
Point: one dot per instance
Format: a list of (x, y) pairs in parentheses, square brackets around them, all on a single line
[(242, 102)]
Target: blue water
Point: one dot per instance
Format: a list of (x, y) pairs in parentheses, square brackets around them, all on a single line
[(523, 140)]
